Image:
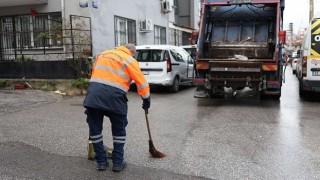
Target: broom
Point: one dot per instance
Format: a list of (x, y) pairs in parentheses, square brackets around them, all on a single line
[(154, 153)]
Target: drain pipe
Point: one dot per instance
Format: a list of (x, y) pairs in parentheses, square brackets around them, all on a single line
[(63, 11), (63, 14)]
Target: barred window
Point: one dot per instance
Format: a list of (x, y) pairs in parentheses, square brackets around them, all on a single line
[(124, 30), (175, 37), (24, 31), (42, 30), (47, 29), (159, 35), (185, 38)]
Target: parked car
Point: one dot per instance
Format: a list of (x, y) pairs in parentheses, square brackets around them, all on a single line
[(294, 65), (165, 65), (293, 56), (191, 49)]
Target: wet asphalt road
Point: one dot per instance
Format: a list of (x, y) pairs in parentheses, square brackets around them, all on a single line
[(44, 136)]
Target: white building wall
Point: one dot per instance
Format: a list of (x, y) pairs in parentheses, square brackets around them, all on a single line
[(66, 7), (138, 10), (52, 6), (71, 7)]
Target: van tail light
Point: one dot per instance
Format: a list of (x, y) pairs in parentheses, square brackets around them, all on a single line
[(169, 66), (304, 66)]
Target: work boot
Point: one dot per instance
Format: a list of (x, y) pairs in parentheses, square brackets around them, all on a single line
[(102, 167), (118, 168)]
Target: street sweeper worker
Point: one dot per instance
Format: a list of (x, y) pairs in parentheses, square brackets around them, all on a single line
[(112, 74)]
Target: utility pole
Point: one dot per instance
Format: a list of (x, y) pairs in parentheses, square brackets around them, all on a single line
[(291, 37), (311, 10)]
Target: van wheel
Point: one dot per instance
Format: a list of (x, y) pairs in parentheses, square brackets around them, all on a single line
[(175, 85), (303, 94)]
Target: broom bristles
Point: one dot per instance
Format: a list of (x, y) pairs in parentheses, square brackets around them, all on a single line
[(154, 153)]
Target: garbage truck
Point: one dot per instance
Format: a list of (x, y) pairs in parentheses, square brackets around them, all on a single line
[(240, 46)]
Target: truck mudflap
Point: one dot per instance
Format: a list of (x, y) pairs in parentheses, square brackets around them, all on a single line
[(201, 92)]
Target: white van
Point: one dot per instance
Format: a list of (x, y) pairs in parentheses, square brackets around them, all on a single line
[(165, 65), (308, 67)]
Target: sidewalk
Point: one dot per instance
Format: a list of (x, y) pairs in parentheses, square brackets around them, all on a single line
[(16, 100)]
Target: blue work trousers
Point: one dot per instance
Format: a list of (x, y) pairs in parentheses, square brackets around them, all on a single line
[(118, 127)]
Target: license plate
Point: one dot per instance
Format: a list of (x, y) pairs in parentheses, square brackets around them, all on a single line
[(145, 72), (315, 73)]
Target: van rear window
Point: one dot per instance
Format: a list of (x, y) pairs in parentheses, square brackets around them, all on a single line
[(149, 55)]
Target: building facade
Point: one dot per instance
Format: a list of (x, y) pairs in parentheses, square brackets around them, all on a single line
[(62, 29), (143, 22)]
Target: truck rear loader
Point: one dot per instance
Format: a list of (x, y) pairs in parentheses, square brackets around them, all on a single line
[(239, 48)]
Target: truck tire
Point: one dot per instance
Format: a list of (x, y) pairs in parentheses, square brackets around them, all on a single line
[(275, 97), (272, 97), (175, 85)]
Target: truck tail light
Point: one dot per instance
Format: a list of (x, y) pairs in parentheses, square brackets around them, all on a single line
[(282, 37), (169, 66), (199, 81), (304, 66), (202, 65)]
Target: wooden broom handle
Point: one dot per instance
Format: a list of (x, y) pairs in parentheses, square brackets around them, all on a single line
[(147, 120)]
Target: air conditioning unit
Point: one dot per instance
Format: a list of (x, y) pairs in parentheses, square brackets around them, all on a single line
[(146, 25), (166, 6)]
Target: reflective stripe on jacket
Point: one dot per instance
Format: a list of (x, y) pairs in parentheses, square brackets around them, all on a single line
[(117, 68)]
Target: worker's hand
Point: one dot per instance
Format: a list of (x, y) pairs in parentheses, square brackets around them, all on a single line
[(146, 103)]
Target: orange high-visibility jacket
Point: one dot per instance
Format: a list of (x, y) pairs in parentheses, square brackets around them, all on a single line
[(117, 68)]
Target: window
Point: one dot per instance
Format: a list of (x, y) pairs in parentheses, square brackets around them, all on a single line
[(175, 37), (55, 29), (176, 55), (24, 32), (179, 38), (185, 37), (124, 30), (159, 35), (150, 55), (42, 30)]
